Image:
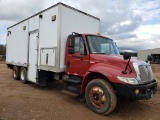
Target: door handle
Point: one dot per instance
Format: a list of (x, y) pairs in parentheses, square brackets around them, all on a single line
[(85, 63), (80, 57)]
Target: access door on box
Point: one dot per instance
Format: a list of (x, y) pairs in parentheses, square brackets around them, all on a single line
[(33, 56)]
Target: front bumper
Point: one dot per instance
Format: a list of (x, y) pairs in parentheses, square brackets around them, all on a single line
[(146, 90)]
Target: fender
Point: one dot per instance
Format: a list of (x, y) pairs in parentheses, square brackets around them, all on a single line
[(108, 71)]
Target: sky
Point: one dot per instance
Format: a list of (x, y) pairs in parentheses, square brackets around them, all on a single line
[(133, 24)]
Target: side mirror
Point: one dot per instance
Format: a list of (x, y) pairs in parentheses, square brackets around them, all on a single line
[(126, 56), (71, 50), (149, 58), (71, 44), (71, 41)]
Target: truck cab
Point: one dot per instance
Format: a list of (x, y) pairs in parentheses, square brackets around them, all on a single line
[(97, 71)]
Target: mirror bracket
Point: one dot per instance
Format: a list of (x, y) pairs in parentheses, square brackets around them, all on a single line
[(127, 56)]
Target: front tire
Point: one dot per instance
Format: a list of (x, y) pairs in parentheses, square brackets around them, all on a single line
[(15, 73), (100, 96), (23, 75)]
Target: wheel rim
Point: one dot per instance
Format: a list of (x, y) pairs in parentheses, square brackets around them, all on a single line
[(22, 75), (97, 97), (14, 73)]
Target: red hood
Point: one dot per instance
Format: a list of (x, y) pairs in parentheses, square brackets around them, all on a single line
[(116, 60)]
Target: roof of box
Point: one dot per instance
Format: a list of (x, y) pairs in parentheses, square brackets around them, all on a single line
[(53, 7)]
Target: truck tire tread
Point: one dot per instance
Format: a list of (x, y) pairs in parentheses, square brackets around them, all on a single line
[(16, 73), (109, 93)]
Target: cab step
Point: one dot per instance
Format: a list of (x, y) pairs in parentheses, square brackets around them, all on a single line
[(75, 81), (72, 88), (73, 85)]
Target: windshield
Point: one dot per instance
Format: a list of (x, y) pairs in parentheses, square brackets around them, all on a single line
[(101, 45)]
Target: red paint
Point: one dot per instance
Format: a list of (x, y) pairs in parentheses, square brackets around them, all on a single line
[(77, 65), (109, 66)]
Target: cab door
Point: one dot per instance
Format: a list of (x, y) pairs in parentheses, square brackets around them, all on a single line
[(77, 63)]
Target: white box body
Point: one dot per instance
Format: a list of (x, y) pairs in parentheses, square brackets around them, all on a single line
[(46, 33)]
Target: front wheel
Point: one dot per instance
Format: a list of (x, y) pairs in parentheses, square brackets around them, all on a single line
[(23, 75), (100, 96)]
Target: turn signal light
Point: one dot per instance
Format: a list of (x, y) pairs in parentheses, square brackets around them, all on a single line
[(137, 91)]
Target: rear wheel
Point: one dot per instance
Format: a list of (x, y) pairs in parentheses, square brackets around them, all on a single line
[(15, 73), (100, 96), (23, 75)]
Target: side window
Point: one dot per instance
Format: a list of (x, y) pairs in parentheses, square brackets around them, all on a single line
[(76, 47), (79, 46), (82, 47)]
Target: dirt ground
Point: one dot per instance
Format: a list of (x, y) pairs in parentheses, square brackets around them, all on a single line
[(30, 102)]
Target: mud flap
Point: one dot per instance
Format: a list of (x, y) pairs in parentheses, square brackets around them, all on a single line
[(150, 95), (41, 78)]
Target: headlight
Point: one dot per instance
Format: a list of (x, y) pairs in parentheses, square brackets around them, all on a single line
[(131, 81)]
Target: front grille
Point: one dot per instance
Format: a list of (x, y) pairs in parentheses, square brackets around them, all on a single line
[(145, 72)]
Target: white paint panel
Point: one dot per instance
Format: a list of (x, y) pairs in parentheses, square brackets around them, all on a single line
[(74, 21), (142, 54), (34, 23), (51, 34), (32, 69), (48, 57), (48, 36), (17, 43)]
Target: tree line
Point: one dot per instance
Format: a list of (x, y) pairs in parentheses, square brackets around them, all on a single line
[(2, 49), (133, 54)]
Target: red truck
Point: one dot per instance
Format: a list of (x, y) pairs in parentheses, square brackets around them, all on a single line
[(89, 64), (97, 71)]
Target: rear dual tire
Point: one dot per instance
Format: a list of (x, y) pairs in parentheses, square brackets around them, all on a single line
[(23, 75), (16, 73)]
